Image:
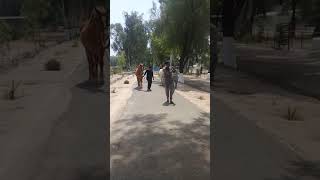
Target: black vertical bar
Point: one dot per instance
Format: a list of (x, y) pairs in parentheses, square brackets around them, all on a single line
[(301, 39)]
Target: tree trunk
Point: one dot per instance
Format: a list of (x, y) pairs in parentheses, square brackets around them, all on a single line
[(252, 21), (228, 33), (181, 64)]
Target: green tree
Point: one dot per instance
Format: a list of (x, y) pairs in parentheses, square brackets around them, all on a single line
[(118, 35), (132, 39), (159, 50), (6, 35), (186, 27), (36, 12), (136, 38), (121, 62)]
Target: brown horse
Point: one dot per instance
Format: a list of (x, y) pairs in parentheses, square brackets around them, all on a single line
[(139, 74), (92, 36)]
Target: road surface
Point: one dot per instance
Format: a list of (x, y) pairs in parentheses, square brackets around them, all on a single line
[(154, 141), (77, 147), (243, 151)]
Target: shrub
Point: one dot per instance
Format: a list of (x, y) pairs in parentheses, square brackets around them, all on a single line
[(53, 65), (75, 44), (126, 82)]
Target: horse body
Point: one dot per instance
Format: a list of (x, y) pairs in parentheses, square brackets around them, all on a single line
[(92, 36), (139, 74)]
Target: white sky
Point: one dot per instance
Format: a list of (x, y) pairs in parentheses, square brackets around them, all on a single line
[(118, 7)]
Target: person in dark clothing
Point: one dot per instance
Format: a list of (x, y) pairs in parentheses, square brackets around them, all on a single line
[(150, 77), (168, 82)]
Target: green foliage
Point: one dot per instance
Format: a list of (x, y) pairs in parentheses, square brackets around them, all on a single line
[(36, 11), (186, 26), (118, 36), (159, 49), (6, 33), (132, 38), (116, 70), (121, 62)]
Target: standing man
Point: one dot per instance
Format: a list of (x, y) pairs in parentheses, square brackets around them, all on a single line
[(168, 82), (149, 78)]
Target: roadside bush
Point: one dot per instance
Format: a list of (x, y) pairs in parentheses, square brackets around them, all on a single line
[(53, 65), (75, 43)]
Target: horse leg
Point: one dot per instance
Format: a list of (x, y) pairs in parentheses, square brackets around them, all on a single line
[(138, 81), (101, 63), (89, 58), (95, 69)]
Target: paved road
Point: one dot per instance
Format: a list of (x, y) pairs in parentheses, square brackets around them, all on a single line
[(244, 152), (153, 141), (77, 147)]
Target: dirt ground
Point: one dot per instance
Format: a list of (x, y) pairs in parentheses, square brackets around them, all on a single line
[(268, 106), (200, 98), (20, 50), (119, 94)]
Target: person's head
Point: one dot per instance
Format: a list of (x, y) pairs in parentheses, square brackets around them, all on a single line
[(150, 67)]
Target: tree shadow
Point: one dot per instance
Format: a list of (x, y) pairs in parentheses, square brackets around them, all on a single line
[(196, 84), (92, 86), (300, 169), (153, 147), (93, 173), (138, 88), (165, 104)]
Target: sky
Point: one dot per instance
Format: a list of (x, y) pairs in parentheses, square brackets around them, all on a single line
[(117, 7)]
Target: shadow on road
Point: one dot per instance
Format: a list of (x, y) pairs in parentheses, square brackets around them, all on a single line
[(155, 149), (300, 170), (138, 88), (92, 86), (93, 173), (197, 84)]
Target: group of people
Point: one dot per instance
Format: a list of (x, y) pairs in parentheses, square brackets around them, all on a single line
[(168, 78)]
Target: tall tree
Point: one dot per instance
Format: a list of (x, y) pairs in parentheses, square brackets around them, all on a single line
[(132, 38), (187, 24)]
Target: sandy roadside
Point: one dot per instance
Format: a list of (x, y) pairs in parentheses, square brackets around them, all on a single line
[(267, 105), (119, 94), (200, 98), (41, 99)]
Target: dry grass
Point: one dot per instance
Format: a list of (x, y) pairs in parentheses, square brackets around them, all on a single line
[(10, 93), (293, 114), (201, 98)]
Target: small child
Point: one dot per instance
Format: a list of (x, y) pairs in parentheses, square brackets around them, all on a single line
[(149, 78)]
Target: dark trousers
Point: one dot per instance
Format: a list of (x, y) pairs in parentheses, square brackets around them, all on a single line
[(169, 90), (149, 83)]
